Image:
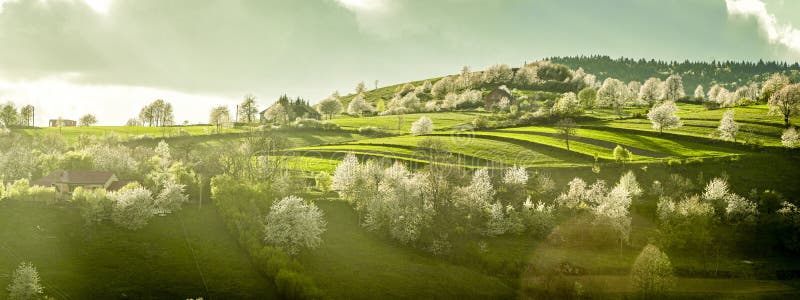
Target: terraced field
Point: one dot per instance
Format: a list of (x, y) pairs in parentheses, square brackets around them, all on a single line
[(441, 121), (541, 146)]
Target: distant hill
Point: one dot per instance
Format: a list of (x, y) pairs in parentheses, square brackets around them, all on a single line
[(726, 73)]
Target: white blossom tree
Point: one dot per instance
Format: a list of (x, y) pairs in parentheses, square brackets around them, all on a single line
[(785, 102), (728, 127), (25, 283), (652, 273), (663, 116), (775, 83), (567, 106), (133, 207), (629, 183), (790, 138), (613, 93), (292, 224), (422, 126), (359, 105), (478, 194), (673, 88), (699, 93), (651, 90), (713, 92), (171, 198), (345, 177), (516, 176)]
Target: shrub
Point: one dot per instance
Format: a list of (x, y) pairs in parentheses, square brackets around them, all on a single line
[(372, 131)]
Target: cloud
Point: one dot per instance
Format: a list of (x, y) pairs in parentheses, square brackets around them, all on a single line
[(784, 34), (98, 6), (363, 5)]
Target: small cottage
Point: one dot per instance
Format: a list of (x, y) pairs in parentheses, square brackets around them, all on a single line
[(496, 95), (66, 181)]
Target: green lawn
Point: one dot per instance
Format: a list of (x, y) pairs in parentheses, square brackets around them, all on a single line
[(188, 254), (441, 121), (657, 145), (354, 264), (71, 134)]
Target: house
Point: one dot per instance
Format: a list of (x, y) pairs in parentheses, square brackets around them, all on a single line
[(496, 95), (66, 181), (63, 122), (287, 110)]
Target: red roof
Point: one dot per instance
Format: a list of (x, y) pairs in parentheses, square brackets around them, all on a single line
[(74, 177)]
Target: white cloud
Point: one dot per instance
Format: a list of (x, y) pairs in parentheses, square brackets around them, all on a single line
[(58, 96), (784, 34), (363, 5), (98, 6)]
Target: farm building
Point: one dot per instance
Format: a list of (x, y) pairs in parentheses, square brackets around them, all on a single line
[(496, 95), (63, 123), (66, 181), (286, 110)]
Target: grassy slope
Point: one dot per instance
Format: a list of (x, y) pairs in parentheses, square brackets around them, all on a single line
[(446, 120), (353, 264), (105, 262), (72, 133)]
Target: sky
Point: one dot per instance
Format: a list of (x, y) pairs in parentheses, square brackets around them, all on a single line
[(111, 57)]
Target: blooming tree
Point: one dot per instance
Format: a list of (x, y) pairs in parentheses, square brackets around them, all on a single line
[(664, 116), (422, 126), (567, 106), (785, 102), (293, 224), (651, 90), (613, 93), (345, 177), (133, 207), (790, 138), (728, 127), (171, 197), (359, 105), (516, 176), (478, 194), (699, 92), (673, 88), (775, 83)]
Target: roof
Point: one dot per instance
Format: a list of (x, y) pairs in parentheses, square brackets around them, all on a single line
[(75, 177), (117, 185)]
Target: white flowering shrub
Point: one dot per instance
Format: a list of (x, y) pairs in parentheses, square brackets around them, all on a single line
[(293, 224), (422, 126), (133, 207), (664, 116), (790, 138), (515, 176), (629, 183), (171, 198), (478, 194)]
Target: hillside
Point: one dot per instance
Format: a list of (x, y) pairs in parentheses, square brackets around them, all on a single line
[(726, 73)]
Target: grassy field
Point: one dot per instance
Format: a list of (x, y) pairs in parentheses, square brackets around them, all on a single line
[(353, 264), (71, 134), (188, 254), (441, 121)]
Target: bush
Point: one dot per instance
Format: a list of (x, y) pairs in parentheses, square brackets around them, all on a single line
[(372, 131), (242, 206), (293, 285)]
